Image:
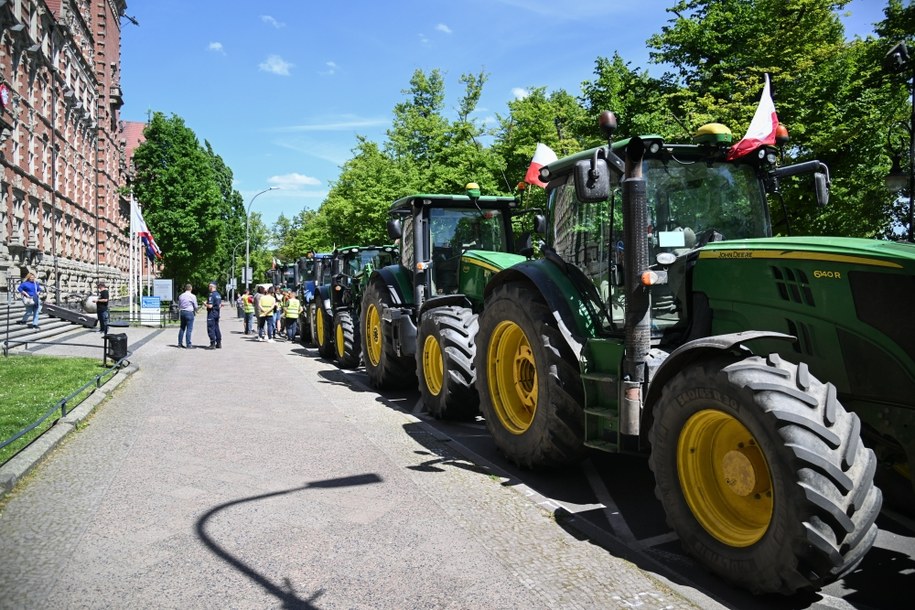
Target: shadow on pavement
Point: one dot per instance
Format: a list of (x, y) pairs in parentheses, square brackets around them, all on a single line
[(284, 593)]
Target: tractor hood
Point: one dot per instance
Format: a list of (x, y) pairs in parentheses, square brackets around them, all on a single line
[(494, 261), (866, 252)]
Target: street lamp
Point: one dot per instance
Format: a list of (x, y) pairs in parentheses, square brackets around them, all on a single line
[(898, 60), (247, 268), (234, 250)]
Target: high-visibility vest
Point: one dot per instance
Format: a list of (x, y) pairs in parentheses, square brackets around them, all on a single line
[(266, 305), (248, 304), (292, 308)]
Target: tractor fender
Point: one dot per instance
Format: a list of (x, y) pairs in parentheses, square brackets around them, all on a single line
[(391, 277), (696, 349), (556, 290)]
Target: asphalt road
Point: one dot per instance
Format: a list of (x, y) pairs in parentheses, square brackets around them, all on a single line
[(610, 498)]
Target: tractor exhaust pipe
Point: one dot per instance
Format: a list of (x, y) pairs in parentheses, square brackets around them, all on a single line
[(638, 299)]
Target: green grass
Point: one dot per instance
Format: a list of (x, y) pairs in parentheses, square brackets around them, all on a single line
[(30, 385)]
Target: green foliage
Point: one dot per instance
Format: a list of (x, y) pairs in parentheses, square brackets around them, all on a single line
[(188, 202)]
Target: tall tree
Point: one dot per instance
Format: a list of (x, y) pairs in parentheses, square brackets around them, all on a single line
[(177, 185)]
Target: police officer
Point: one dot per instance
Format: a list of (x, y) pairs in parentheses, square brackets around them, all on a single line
[(214, 302)]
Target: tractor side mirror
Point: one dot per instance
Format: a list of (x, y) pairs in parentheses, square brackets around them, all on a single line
[(540, 224), (395, 229), (821, 185), (592, 180)]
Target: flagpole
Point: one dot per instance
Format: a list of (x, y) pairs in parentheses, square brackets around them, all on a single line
[(130, 279)]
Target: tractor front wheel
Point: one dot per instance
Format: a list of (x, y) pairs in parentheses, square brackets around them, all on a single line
[(530, 390), (444, 362), (386, 370), (347, 341), (762, 473), (323, 330)]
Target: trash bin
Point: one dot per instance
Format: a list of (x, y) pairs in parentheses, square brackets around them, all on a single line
[(117, 346)]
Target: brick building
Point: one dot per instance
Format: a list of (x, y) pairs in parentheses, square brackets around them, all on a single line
[(62, 146)]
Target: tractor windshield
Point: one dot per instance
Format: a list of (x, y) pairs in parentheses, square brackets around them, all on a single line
[(356, 262), (689, 205)]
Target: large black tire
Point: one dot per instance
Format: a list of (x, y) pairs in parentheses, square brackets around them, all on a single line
[(385, 369), (528, 379), (305, 327), (347, 343), (324, 331), (445, 352), (762, 473), (312, 322)]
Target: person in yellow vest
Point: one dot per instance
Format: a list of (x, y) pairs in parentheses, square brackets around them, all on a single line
[(265, 306), (247, 305), (291, 313)]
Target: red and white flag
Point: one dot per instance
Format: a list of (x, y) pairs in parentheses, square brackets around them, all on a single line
[(543, 155), (762, 127)]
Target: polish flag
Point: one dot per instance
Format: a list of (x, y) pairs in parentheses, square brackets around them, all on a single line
[(543, 155), (762, 127)]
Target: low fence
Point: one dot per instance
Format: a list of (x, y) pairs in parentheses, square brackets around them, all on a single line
[(65, 405)]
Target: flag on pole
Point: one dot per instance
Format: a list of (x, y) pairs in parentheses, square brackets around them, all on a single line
[(762, 127), (138, 227), (543, 155)]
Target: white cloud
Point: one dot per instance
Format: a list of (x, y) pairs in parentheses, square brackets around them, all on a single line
[(423, 39), (443, 28), (331, 68), (271, 21), (337, 123), (276, 65), (292, 182), (520, 93), (216, 47)]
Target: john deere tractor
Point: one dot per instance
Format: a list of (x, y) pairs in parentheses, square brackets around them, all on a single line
[(419, 316), (339, 300), (759, 374)]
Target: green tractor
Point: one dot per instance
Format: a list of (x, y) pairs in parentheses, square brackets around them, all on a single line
[(420, 315), (759, 374), (338, 301)]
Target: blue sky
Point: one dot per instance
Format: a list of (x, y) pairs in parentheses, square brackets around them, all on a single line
[(281, 88)]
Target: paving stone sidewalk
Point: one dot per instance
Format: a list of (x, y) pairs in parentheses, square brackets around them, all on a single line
[(258, 476)]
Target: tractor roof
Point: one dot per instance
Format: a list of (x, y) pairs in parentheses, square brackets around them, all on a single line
[(353, 249), (453, 201)]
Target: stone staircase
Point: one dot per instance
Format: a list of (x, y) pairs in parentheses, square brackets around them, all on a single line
[(50, 328)]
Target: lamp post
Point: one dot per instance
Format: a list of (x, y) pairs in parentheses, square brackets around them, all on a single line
[(248, 235), (898, 60), (234, 250)]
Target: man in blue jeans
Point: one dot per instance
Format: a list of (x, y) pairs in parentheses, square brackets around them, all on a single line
[(187, 308), (101, 304)]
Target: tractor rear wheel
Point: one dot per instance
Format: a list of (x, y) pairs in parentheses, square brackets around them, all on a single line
[(444, 362), (305, 328), (313, 322), (323, 330), (762, 473), (386, 370), (347, 343), (530, 391)]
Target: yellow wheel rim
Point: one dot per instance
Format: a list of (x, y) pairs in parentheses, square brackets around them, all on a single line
[(319, 325), (373, 334), (340, 346), (512, 373), (433, 365), (725, 478)]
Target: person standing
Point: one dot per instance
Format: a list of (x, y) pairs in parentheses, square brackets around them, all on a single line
[(101, 308), (214, 303), (187, 309), (247, 305), (29, 290), (265, 306), (291, 311)]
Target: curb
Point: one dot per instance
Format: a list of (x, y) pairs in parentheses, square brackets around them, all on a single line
[(19, 466)]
